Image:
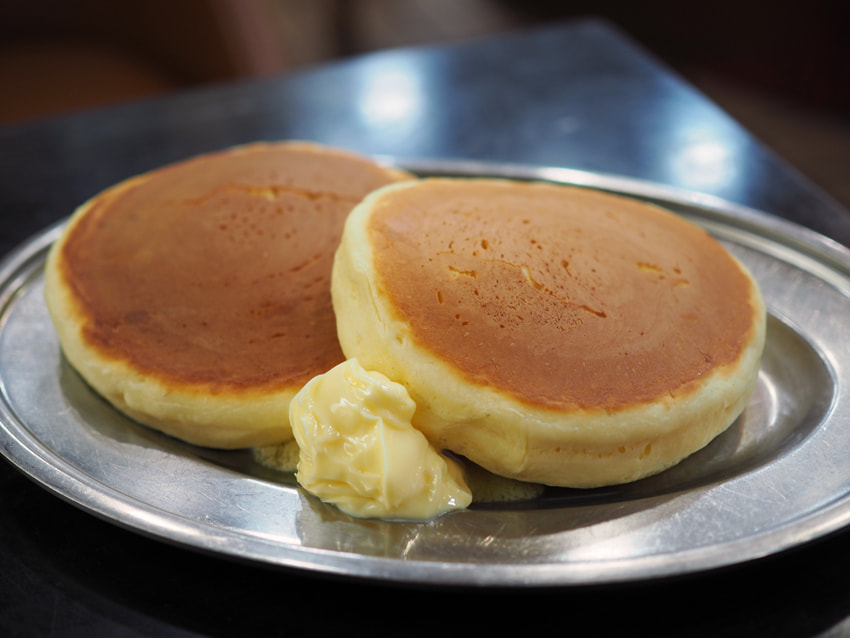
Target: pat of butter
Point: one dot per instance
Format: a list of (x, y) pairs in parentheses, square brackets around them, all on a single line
[(359, 451)]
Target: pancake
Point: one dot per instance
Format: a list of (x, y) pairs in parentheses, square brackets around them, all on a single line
[(196, 297), (549, 333)]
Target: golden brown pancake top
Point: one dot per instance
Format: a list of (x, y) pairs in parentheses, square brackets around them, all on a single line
[(216, 270), (562, 297)]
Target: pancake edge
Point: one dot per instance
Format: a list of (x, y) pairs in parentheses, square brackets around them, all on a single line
[(579, 448), (193, 413)]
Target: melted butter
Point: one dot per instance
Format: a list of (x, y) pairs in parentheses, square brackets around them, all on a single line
[(487, 487), (359, 451), (281, 457)]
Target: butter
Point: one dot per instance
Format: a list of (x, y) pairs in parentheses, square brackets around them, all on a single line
[(359, 451)]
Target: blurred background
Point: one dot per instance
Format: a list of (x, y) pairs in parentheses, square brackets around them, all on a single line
[(781, 68)]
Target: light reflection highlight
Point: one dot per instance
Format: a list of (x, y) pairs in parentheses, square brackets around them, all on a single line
[(705, 151), (705, 164), (391, 97)]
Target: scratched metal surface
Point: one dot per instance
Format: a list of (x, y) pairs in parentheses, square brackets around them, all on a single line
[(776, 479)]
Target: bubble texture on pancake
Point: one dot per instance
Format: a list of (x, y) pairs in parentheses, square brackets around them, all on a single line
[(196, 297), (549, 333)]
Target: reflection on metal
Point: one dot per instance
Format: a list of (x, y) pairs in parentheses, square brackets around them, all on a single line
[(706, 164), (390, 96)]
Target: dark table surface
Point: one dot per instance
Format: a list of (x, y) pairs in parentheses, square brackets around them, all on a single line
[(578, 95)]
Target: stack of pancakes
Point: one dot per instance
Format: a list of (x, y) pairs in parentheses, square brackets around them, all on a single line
[(548, 333)]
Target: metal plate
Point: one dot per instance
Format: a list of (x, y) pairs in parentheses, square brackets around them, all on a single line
[(777, 478)]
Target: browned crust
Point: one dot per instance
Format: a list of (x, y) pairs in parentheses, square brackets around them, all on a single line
[(216, 271), (563, 298)]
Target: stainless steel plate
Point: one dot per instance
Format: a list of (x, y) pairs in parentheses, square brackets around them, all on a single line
[(778, 478)]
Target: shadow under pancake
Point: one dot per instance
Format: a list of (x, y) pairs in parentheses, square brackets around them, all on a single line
[(108, 422)]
